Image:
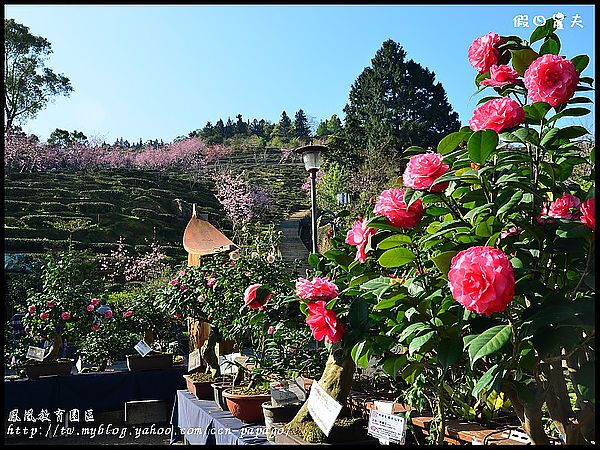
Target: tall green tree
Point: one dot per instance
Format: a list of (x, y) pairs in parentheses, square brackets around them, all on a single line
[(285, 126), (301, 125), (395, 103), (64, 139), (28, 84)]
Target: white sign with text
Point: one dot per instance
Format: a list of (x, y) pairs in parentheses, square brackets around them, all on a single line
[(194, 360), (388, 427), (323, 408), (226, 363), (142, 348), (35, 353)]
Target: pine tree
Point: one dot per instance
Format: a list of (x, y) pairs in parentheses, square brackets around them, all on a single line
[(301, 125), (285, 125), (396, 103), (229, 128)]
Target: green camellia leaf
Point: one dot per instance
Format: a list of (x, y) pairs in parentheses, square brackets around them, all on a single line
[(377, 286), (569, 112), (580, 62), (394, 241), (358, 314), (488, 342), (452, 141), (480, 77), (481, 144), (419, 341), (551, 45), (571, 132), (488, 380), (360, 353), (549, 136), (313, 260), (521, 59), (586, 381), (449, 351), (394, 364), (413, 328), (536, 111), (443, 260), (396, 257), (542, 31)]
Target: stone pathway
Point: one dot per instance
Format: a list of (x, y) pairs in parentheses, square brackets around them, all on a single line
[(292, 246)]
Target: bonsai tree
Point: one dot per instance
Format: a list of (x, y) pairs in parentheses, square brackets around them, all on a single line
[(479, 262)]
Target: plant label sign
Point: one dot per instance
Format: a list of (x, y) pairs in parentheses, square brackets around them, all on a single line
[(79, 364), (388, 427), (35, 353), (194, 360), (286, 392), (142, 348), (226, 363), (323, 408)]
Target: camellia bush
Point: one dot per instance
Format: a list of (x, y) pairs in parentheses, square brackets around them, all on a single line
[(477, 268)]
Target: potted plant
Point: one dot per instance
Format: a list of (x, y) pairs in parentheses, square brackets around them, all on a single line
[(201, 385)]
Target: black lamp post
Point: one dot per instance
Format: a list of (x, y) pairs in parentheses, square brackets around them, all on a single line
[(311, 155)]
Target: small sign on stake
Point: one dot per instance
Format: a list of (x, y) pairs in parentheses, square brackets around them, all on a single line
[(323, 408), (389, 427), (226, 363), (35, 353), (79, 364), (142, 348), (286, 392), (194, 360)]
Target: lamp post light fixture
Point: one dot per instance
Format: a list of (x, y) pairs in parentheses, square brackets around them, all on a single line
[(311, 155)]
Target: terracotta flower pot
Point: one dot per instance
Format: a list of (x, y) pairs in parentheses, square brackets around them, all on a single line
[(36, 370), (201, 389), (149, 362), (247, 408)]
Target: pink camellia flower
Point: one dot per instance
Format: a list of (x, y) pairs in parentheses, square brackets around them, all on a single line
[(183, 288), (95, 327), (588, 209), (358, 236), (50, 304), (44, 315), (271, 330), (317, 289), (108, 314), (512, 231), (232, 263), (174, 282), (482, 280), (501, 76), (250, 297), (565, 207), (551, 79), (211, 282), (483, 52), (94, 301), (497, 114), (323, 323), (31, 309), (543, 212), (65, 315), (422, 171), (128, 313), (90, 307), (390, 204), (181, 273)]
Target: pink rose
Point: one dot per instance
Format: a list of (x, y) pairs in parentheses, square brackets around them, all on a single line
[(174, 282), (323, 323), (317, 289), (588, 209), (271, 330), (551, 79), (128, 313), (44, 315), (50, 304), (497, 114), (501, 76), (31, 309), (482, 280), (65, 315), (90, 307), (108, 314), (483, 52), (422, 170), (94, 301), (390, 204), (250, 297), (358, 236), (565, 207), (211, 282), (95, 327)]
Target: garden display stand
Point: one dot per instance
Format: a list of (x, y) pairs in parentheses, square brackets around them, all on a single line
[(150, 362)]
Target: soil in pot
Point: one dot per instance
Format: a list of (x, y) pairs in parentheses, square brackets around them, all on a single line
[(150, 361), (246, 404), (278, 414), (200, 384), (56, 367)]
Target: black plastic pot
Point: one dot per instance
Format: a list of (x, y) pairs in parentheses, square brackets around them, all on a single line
[(278, 414), (218, 389)]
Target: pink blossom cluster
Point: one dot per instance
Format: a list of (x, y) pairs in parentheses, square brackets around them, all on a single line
[(121, 263)]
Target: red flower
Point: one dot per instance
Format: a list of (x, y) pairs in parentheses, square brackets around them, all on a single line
[(94, 301), (497, 114), (358, 236), (501, 76), (250, 297), (588, 209), (317, 289), (422, 171), (174, 282), (551, 79), (108, 314), (95, 327), (323, 323), (90, 307), (31, 309), (128, 313), (565, 207), (65, 315), (44, 315), (390, 204), (483, 52), (50, 304)]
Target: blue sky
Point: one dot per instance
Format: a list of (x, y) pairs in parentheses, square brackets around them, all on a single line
[(162, 71)]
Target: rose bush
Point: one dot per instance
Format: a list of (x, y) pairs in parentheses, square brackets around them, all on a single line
[(488, 283)]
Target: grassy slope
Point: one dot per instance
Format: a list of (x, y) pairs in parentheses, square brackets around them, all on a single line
[(129, 203)]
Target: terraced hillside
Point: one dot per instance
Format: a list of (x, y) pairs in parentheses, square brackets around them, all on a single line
[(137, 205)]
